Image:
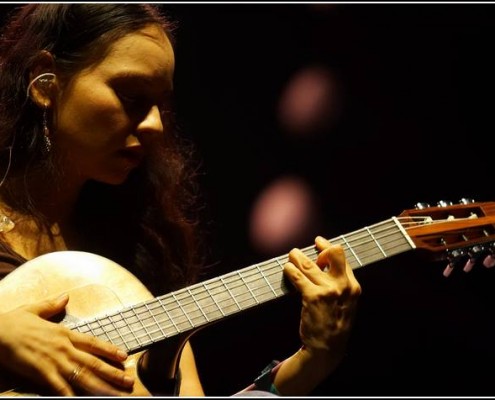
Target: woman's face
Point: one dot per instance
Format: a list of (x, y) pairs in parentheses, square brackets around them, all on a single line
[(106, 112)]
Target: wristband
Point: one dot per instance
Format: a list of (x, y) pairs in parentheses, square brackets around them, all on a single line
[(265, 381)]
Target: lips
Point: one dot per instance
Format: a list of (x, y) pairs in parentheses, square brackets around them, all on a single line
[(133, 154)]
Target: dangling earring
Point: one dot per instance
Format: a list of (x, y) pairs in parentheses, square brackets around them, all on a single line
[(46, 131)]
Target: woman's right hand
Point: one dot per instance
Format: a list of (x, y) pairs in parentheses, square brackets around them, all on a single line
[(52, 355)]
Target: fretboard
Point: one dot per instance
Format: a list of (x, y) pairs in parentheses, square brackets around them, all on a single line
[(137, 327)]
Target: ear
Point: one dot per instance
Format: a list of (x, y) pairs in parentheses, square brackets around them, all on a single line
[(42, 90)]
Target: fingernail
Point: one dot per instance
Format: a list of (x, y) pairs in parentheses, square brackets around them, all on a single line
[(128, 380), (63, 297), (122, 354)]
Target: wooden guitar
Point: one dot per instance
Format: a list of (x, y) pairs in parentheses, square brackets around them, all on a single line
[(108, 302)]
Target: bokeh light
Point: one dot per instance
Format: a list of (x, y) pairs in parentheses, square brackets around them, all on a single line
[(283, 216)]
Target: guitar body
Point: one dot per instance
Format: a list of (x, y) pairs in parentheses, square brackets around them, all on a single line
[(106, 298), (96, 286)]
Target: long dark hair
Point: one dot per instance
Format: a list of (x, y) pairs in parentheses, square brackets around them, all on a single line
[(147, 224)]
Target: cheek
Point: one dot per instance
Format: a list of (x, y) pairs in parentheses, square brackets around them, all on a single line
[(89, 116)]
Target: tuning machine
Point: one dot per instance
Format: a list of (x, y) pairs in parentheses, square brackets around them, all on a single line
[(479, 254), (443, 203), (455, 258)]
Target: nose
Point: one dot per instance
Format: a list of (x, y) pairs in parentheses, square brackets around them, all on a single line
[(152, 122)]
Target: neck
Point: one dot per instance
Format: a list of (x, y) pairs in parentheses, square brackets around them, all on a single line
[(52, 199), (48, 230)]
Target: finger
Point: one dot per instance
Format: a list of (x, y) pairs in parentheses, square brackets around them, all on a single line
[(49, 307), (110, 373), (85, 380), (93, 345), (296, 277), (321, 243), (302, 270), (341, 270), (323, 259), (333, 258)]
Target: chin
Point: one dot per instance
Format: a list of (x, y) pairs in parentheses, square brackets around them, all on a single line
[(115, 179)]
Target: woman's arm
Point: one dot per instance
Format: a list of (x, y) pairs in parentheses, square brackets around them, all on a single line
[(191, 384), (329, 292)]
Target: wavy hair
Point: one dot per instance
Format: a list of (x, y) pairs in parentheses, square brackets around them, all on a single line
[(148, 224)]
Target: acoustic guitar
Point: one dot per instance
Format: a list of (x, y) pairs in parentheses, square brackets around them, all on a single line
[(109, 302)]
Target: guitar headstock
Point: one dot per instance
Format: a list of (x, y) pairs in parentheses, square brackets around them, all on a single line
[(463, 234)]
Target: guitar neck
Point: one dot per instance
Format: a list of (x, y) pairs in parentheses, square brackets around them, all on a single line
[(139, 326)]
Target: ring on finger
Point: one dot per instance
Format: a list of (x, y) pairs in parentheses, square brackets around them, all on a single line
[(75, 374)]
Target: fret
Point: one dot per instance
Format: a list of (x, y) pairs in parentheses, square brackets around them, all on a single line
[(392, 241), (167, 324), (246, 284), (213, 291), (252, 287), (116, 325), (154, 330), (253, 284), (276, 279), (384, 237), (267, 281), (366, 247), (243, 294), (135, 325), (349, 252), (230, 300), (198, 307), (171, 319), (281, 263), (184, 321), (376, 241), (207, 304), (387, 240), (144, 336)]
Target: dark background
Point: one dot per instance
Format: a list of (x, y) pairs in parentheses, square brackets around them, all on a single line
[(416, 126)]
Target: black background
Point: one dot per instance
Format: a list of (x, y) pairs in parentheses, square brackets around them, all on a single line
[(417, 126)]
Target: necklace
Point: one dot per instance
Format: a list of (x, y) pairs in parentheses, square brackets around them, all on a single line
[(6, 224)]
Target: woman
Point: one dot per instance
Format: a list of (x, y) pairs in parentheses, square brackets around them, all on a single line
[(92, 164)]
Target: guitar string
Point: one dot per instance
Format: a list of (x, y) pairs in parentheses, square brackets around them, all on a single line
[(141, 317), (190, 321), (148, 334), (218, 304), (237, 275), (195, 301)]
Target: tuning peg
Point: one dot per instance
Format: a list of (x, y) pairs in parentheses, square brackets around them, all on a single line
[(421, 206), (448, 270), (469, 265), (444, 203), (456, 258), (475, 254), (465, 200), (489, 261)]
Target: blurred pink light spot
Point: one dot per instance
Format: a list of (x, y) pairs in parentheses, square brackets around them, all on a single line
[(310, 101), (282, 216)]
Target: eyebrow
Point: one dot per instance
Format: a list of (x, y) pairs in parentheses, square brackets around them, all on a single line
[(138, 76), (132, 75)]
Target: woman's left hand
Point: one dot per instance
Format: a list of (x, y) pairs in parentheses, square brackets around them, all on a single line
[(329, 292)]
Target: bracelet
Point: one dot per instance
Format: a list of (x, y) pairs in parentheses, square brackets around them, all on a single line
[(157, 384), (265, 380)]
